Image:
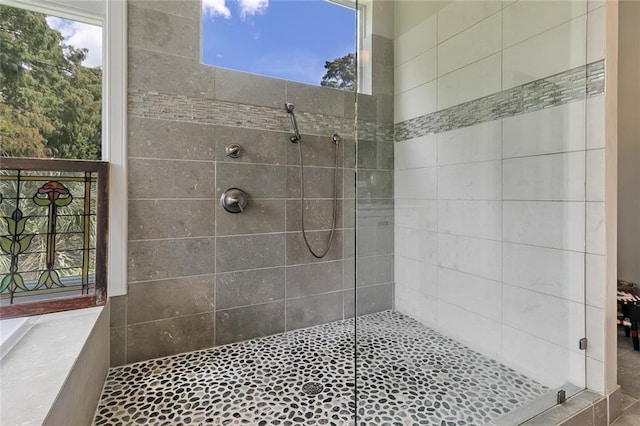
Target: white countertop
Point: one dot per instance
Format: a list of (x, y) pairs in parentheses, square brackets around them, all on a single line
[(35, 369)]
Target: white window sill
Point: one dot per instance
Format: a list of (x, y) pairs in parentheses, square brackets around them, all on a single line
[(35, 369)]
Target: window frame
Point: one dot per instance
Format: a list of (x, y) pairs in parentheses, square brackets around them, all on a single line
[(360, 13), (112, 16)]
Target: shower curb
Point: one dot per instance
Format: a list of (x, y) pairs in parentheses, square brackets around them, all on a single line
[(586, 408)]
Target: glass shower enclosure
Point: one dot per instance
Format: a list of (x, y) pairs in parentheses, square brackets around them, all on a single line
[(466, 185), (471, 199)]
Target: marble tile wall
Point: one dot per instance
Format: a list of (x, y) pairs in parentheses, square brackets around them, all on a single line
[(499, 180)]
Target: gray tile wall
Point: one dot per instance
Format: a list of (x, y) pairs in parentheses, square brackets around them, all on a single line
[(372, 290), (199, 276)]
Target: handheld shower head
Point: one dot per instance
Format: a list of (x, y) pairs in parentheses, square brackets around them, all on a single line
[(296, 137), (288, 106)]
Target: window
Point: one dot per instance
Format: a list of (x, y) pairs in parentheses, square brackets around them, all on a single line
[(104, 100), (51, 86), (311, 41)]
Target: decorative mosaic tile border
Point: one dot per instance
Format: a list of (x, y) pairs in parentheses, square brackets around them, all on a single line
[(208, 111), (558, 89), (547, 92)]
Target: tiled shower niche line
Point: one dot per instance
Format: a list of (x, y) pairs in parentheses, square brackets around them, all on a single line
[(407, 374), (559, 89), (188, 109)]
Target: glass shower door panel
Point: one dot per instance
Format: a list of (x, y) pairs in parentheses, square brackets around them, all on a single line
[(489, 211)]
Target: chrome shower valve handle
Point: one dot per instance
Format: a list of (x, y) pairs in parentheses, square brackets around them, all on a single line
[(232, 150), (234, 200)]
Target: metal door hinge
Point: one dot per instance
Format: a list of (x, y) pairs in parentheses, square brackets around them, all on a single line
[(562, 396), (582, 344)]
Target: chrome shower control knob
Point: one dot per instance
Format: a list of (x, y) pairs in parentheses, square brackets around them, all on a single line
[(232, 150), (234, 200)]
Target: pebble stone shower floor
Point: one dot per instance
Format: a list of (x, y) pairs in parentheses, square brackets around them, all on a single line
[(407, 374)]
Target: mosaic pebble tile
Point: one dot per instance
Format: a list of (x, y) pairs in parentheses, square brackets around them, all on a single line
[(407, 374)]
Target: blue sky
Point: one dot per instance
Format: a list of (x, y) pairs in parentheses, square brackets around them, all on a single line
[(288, 39)]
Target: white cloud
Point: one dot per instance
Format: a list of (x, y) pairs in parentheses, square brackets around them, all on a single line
[(216, 8), (252, 7), (80, 35), (213, 8)]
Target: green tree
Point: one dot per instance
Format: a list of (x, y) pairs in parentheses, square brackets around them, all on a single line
[(19, 135), (341, 73), (50, 103)]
